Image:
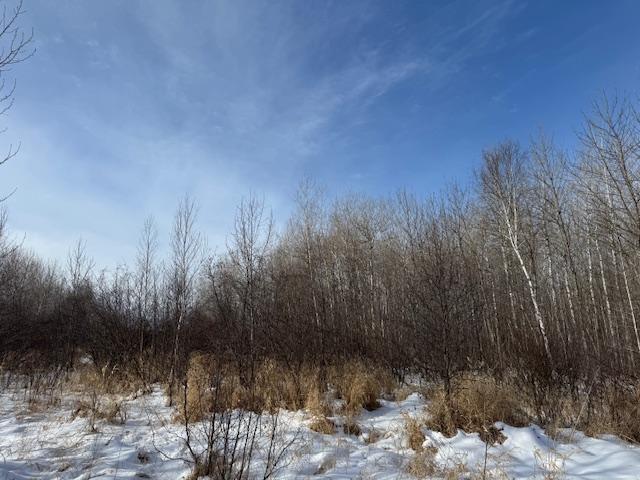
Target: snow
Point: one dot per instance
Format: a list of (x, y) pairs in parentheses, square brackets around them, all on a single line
[(53, 443)]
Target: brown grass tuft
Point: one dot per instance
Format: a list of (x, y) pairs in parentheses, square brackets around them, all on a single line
[(208, 387), (317, 403), (360, 385), (198, 397), (423, 464), (413, 430), (400, 394), (109, 379), (363, 393), (115, 412), (212, 385), (351, 427), (372, 436), (492, 435), (616, 411), (100, 408), (475, 404), (276, 388), (323, 425)]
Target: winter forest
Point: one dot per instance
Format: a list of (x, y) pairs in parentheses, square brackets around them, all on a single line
[(481, 313)]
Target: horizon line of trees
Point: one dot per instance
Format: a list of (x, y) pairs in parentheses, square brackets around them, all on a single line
[(533, 269)]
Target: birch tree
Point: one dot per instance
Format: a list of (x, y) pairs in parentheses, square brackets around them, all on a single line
[(504, 185)]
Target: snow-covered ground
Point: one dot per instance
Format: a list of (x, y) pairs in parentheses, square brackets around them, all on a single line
[(53, 443)]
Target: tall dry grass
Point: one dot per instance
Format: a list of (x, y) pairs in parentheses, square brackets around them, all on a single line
[(360, 385), (477, 401), (214, 385), (474, 404)]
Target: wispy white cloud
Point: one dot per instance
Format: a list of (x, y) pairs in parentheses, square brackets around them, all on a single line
[(152, 100)]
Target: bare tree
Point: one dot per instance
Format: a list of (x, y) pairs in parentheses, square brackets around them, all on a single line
[(187, 246), (251, 239), (146, 288), (15, 47), (504, 185), (609, 175)]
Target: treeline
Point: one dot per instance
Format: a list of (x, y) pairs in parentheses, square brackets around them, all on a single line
[(532, 272)]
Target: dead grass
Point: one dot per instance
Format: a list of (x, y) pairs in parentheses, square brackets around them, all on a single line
[(115, 412), (612, 408), (108, 379), (102, 391), (351, 427), (280, 387), (363, 393), (198, 399), (42, 403), (413, 431), (478, 401), (400, 394), (492, 435), (277, 386), (551, 464), (101, 408), (616, 411), (213, 385), (372, 436), (318, 403), (424, 465), (323, 425), (210, 387), (360, 385), (200, 470), (475, 404)]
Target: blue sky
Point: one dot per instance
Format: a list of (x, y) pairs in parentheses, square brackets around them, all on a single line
[(128, 105)]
